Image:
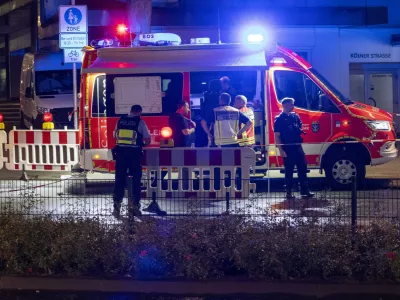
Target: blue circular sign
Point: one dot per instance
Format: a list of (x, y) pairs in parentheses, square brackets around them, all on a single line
[(73, 16)]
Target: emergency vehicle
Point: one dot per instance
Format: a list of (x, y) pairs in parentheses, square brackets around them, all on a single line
[(46, 87), (341, 136)]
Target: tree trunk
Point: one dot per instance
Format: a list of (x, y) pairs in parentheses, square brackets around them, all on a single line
[(139, 13)]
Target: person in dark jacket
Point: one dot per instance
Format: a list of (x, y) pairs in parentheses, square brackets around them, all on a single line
[(182, 127), (288, 131), (131, 134)]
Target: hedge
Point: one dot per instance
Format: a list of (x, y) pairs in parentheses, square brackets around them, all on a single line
[(197, 248)]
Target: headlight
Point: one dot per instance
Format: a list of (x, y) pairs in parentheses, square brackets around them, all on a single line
[(379, 125), (42, 110)]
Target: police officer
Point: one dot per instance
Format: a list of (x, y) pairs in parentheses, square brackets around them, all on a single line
[(247, 138), (131, 134), (288, 130)]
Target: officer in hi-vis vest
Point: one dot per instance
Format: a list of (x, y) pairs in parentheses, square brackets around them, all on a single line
[(247, 138), (131, 134), (226, 121)]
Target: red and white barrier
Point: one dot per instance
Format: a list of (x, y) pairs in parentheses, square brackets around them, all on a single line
[(3, 143), (176, 157), (55, 150), (198, 172)]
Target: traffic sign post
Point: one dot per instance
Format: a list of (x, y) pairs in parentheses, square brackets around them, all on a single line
[(73, 26)]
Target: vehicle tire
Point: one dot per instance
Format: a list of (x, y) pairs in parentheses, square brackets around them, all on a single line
[(340, 171)]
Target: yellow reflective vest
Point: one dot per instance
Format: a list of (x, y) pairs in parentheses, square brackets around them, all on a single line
[(247, 138), (127, 132)]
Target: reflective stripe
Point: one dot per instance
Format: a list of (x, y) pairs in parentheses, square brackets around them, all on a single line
[(126, 137), (247, 137), (226, 125)]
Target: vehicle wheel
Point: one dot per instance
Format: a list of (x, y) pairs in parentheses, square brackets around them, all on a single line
[(341, 170)]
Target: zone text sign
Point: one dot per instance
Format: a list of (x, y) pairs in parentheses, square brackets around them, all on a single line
[(73, 19)]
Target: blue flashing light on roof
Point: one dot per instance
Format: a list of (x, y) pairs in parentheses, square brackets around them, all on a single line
[(255, 38), (102, 43), (254, 35)]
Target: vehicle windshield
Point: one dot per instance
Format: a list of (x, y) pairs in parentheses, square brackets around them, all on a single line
[(334, 90), (54, 82)]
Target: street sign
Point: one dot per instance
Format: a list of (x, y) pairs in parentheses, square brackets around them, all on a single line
[(73, 55), (73, 40), (73, 19)]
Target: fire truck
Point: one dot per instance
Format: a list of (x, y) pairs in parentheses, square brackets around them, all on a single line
[(341, 136)]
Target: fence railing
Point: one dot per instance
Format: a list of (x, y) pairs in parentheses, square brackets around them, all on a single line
[(356, 205)]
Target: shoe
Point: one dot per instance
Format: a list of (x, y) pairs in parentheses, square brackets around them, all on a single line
[(155, 208), (117, 210), (307, 194), (136, 211), (289, 195)]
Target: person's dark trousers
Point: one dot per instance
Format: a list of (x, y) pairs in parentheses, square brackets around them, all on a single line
[(295, 157), (128, 163)]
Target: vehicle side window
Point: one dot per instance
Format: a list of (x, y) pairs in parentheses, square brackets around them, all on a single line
[(99, 107), (55, 82), (171, 88), (306, 93)]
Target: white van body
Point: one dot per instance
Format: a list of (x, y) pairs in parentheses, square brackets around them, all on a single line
[(46, 86)]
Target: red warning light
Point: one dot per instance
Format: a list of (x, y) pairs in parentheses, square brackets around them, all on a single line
[(47, 117), (122, 29)]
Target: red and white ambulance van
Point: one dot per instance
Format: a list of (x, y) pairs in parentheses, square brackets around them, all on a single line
[(342, 136)]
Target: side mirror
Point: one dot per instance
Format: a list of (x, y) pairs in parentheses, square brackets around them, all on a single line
[(28, 93)]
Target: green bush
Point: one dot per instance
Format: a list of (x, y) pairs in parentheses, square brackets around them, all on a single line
[(196, 248), (33, 243)]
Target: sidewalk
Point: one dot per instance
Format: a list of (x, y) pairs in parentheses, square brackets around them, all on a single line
[(183, 287), (389, 170)]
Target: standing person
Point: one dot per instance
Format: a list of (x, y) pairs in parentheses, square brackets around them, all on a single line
[(182, 127), (131, 134), (288, 130), (182, 133), (226, 87), (225, 122), (247, 138)]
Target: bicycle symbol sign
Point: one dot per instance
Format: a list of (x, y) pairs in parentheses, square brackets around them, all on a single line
[(73, 16), (72, 55)]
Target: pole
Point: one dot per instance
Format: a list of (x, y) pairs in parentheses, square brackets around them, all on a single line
[(74, 89), (353, 208), (131, 217)]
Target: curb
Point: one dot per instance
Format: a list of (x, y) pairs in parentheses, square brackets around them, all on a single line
[(186, 288)]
